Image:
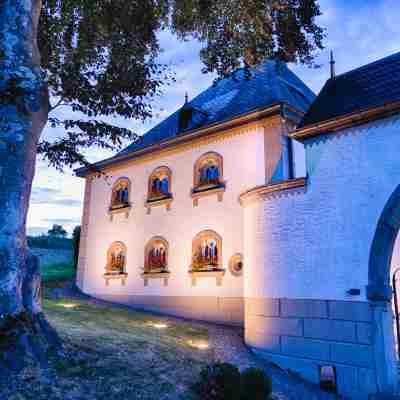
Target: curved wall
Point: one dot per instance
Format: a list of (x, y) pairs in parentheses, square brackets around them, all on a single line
[(243, 153), (307, 248)]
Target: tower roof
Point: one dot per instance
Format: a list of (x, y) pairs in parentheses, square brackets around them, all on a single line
[(367, 87)]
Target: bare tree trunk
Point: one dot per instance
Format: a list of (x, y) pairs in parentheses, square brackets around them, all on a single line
[(24, 332)]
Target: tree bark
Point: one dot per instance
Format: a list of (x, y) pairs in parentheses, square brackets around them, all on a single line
[(24, 332)]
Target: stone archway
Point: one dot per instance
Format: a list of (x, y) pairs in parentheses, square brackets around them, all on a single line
[(379, 293)]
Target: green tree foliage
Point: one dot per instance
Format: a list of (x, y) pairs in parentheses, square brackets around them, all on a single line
[(255, 385), (57, 231), (76, 237), (100, 56), (218, 381), (49, 242)]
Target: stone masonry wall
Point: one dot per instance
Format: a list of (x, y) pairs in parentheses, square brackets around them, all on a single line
[(302, 335)]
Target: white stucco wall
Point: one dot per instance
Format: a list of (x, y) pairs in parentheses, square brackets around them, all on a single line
[(243, 157), (316, 244)]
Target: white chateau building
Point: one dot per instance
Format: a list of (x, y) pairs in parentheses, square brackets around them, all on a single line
[(260, 205)]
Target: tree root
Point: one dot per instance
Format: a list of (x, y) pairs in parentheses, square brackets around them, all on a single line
[(27, 338)]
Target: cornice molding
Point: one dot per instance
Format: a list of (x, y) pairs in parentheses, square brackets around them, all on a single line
[(266, 117), (346, 121), (260, 192)]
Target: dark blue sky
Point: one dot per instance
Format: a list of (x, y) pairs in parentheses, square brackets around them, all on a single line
[(358, 31)]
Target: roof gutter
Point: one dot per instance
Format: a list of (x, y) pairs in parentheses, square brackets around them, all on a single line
[(346, 121), (188, 136)]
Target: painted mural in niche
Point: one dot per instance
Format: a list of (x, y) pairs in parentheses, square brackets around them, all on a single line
[(120, 194), (116, 259), (208, 171), (156, 256), (160, 184), (207, 252)]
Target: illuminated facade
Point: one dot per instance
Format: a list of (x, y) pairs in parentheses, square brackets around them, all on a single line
[(240, 209)]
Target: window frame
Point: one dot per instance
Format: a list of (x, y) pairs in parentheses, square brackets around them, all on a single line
[(161, 200), (199, 190)]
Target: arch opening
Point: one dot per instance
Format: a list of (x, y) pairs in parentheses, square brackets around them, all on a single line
[(381, 280)]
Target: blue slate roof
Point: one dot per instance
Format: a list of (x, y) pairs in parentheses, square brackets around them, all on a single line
[(367, 87), (269, 83)]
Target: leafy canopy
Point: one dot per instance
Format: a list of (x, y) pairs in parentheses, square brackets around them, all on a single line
[(101, 56)]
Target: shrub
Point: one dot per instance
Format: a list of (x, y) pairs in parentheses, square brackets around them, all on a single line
[(255, 385), (219, 381)]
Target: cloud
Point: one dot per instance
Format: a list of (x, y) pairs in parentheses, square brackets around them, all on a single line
[(45, 195), (62, 221)]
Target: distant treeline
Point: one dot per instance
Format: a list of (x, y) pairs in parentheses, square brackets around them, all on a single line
[(49, 242)]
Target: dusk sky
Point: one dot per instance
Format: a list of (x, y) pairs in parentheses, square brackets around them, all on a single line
[(358, 31)]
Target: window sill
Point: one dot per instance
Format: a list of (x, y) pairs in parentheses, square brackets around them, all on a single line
[(218, 274), (120, 209), (155, 275), (111, 276), (204, 191), (157, 202)]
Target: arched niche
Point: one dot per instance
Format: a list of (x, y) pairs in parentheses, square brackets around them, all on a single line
[(159, 191), (159, 185), (120, 197), (207, 251), (116, 262), (207, 257), (208, 177), (208, 170), (156, 255)]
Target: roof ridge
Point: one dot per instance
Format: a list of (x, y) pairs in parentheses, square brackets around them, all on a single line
[(365, 66)]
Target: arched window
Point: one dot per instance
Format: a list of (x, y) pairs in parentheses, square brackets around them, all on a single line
[(159, 189), (120, 193), (156, 256), (207, 252), (208, 171), (208, 177), (116, 259), (160, 184)]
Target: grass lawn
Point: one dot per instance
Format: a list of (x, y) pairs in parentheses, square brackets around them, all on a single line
[(55, 272), (116, 354)]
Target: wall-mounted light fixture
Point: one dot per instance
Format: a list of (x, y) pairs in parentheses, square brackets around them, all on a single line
[(354, 292), (327, 378)]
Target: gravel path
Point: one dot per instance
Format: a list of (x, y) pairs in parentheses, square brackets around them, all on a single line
[(228, 345)]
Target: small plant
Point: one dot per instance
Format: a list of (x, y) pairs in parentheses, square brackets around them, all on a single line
[(255, 385), (219, 381)]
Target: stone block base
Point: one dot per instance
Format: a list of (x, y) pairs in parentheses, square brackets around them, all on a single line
[(304, 335), (223, 310)]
